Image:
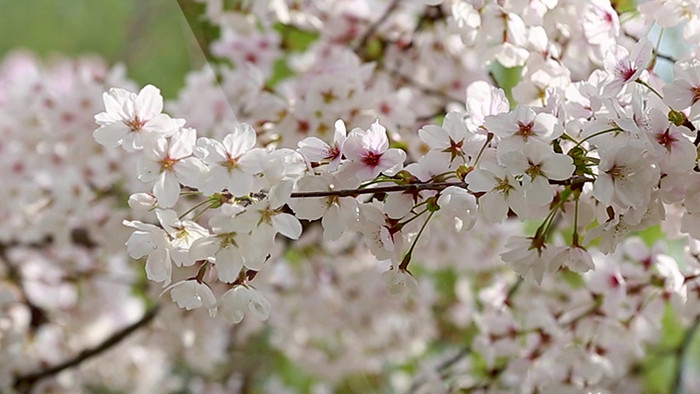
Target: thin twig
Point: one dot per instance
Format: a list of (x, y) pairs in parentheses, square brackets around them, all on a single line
[(24, 383), (656, 53), (418, 85), (373, 28)]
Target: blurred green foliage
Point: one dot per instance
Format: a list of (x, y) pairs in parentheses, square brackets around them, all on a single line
[(152, 38)]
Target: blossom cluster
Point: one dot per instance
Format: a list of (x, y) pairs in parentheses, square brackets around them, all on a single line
[(375, 201)]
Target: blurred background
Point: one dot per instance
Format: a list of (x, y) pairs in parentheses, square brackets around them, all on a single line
[(151, 38)]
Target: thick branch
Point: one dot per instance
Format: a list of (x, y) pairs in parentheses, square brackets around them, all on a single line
[(380, 189), (24, 383)]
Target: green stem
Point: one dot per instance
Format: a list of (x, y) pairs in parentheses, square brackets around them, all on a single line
[(407, 258), (414, 217), (544, 228), (375, 181), (489, 137), (570, 138), (208, 200), (639, 81), (597, 134), (574, 236), (200, 213), (434, 177)]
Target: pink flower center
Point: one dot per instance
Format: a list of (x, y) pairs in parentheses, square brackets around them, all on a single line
[(371, 159), (525, 129), (696, 94), (614, 281), (626, 72), (333, 152), (666, 139)]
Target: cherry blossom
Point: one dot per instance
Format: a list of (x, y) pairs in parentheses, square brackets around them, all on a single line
[(170, 163), (369, 153), (131, 119), (228, 165)]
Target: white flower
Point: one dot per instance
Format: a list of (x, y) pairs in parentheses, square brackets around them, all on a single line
[(521, 125), (152, 241), (236, 301), (625, 176), (169, 162), (684, 91), (457, 202), (400, 283), (538, 163), (335, 212), (182, 233), (527, 259), (224, 246), (484, 100), (625, 67), (575, 258), (192, 294), (502, 192), (370, 154), (130, 118), (315, 150), (229, 164)]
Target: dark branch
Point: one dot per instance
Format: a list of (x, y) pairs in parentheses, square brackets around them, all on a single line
[(381, 189), (24, 383)]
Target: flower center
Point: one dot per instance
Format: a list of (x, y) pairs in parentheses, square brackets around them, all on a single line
[(525, 129), (455, 149), (371, 159), (333, 152), (626, 71), (168, 163), (534, 170), (503, 186), (616, 172), (135, 124), (696, 94), (666, 139), (230, 163)]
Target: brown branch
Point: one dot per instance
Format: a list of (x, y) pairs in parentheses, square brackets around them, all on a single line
[(381, 189), (24, 383), (411, 187)]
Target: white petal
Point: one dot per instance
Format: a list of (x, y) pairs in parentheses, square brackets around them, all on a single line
[(287, 225), (110, 135), (149, 102), (166, 189)]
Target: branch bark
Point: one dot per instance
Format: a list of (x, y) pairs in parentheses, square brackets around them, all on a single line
[(25, 383), (380, 189)]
